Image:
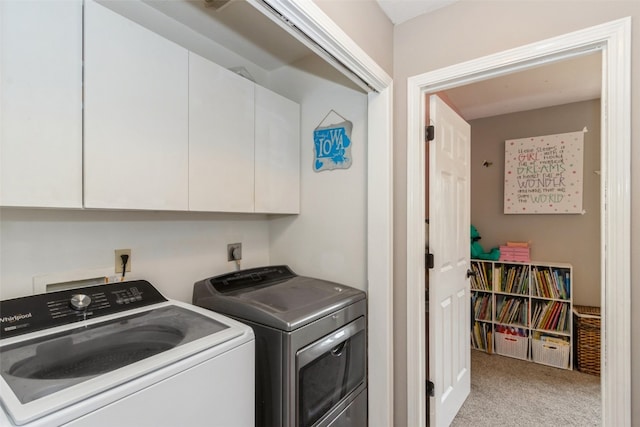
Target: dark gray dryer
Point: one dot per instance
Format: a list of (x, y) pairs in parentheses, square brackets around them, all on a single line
[(311, 344)]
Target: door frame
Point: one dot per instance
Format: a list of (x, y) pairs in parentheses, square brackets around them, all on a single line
[(614, 40), (311, 26)]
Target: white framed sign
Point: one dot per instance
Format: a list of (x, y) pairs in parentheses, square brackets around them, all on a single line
[(544, 174)]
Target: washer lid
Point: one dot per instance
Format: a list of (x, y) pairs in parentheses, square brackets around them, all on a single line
[(283, 300), (49, 370)]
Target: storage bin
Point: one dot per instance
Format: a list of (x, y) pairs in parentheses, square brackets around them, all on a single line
[(586, 322), (551, 353), (511, 345)]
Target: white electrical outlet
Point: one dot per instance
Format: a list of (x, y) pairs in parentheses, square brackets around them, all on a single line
[(234, 251)]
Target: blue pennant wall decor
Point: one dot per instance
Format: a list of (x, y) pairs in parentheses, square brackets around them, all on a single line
[(332, 146)]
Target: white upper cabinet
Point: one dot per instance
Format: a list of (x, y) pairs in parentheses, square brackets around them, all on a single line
[(136, 116), (221, 135), (277, 151), (41, 103), (239, 162), (162, 128)]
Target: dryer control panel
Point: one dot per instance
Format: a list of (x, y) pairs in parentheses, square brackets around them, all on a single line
[(36, 312), (251, 278)]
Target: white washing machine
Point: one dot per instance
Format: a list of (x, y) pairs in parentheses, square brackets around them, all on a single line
[(122, 355)]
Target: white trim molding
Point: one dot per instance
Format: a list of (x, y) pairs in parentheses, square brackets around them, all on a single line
[(380, 257), (614, 40), (311, 26)]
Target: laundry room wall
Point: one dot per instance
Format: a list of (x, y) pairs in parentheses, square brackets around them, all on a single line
[(570, 238), (375, 36), (172, 250), (328, 238)]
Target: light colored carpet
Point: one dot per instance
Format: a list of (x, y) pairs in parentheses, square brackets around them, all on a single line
[(512, 392)]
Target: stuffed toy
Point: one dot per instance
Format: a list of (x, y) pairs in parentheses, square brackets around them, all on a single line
[(477, 252)]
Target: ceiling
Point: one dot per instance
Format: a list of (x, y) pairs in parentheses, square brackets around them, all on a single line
[(242, 29), (399, 11), (571, 80), (238, 26)]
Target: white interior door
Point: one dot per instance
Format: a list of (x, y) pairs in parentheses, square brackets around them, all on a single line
[(449, 240)]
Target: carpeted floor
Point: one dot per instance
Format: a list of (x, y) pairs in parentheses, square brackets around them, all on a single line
[(512, 392)]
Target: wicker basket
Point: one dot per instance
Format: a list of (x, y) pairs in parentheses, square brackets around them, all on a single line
[(587, 334)]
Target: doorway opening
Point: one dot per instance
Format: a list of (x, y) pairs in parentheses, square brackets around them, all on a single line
[(613, 39), (565, 244)]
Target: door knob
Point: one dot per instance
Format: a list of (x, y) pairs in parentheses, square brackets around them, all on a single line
[(471, 273)]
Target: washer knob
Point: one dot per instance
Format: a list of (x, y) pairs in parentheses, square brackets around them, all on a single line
[(80, 302)]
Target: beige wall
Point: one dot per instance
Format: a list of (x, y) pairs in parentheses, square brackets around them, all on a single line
[(468, 30), (339, 248), (559, 238), (368, 26)]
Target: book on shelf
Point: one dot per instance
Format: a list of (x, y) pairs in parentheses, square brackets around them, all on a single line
[(535, 313), (482, 278), (481, 336), (550, 282), (506, 310), (553, 319), (561, 325), (552, 315), (481, 306), (539, 312), (512, 311), (551, 338), (562, 321), (513, 279), (498, 277), (546, 310)]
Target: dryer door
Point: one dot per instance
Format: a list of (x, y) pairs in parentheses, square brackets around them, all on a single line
[(330, 371)]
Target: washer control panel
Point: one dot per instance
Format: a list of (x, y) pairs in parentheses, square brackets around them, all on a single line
[(80, 302), (33, 313)]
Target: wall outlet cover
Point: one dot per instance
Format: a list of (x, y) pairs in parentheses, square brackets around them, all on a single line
[(234, 251), (118, 259)]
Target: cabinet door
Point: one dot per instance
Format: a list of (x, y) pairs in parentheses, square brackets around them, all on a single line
[(41, 103), (277, 153), (136, 117), (221, 134)]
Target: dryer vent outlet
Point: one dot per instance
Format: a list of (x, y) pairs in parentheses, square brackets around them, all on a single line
[(234, 251)]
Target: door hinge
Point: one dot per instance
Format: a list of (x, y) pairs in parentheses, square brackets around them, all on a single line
[(428, 260), (431, 389), (429, 133)]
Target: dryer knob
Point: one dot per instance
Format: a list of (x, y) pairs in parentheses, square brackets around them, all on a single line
[(80, 302)]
